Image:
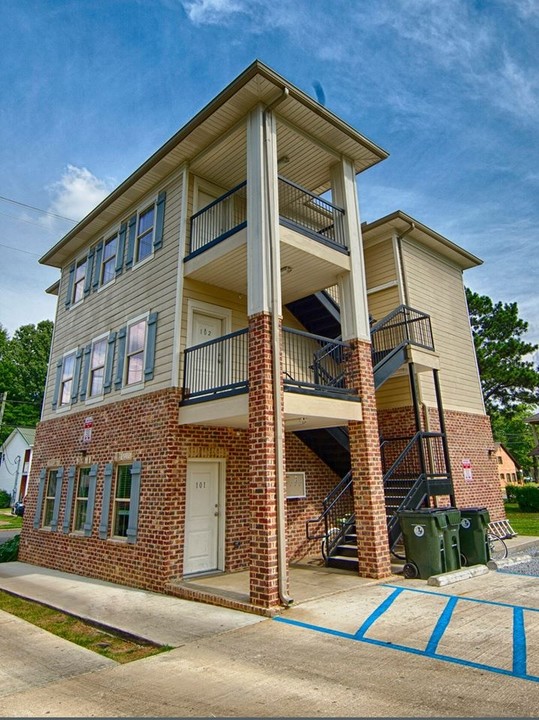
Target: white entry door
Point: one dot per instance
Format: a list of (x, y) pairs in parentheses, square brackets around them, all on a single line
[(208, 370), (202, 518)]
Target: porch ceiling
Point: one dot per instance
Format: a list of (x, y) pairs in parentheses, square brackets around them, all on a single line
[(313, 266)]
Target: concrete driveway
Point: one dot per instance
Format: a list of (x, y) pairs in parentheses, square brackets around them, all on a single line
[(389, 649)]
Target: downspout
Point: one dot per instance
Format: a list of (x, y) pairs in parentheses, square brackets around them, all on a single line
[(276, 373)]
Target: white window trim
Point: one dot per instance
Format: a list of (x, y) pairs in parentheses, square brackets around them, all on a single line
[(59, 407), (114, 230), (92, 399), (118, 538), (142, 209), (126, 389), (74, 304)]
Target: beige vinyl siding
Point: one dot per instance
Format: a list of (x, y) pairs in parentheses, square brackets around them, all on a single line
[(394, 393), (145, 288), (381, 271), (436, 287)]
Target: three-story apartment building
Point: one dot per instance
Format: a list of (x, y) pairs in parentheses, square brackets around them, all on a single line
[(240, 369)]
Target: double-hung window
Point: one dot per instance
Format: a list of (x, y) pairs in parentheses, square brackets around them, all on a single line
[(81, 499), (79, 280), (122, 501), (136, 341), (51, 489), (97, 367), (66, 384), (108, 263), (144, 234)]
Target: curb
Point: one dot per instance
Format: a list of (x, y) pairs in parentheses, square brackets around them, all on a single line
[(454, 576), (508, 562)]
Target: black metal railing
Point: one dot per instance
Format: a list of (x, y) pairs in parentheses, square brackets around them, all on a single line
[(337, 517), (216, 368), (403, 326), (302, 210), (312, 363), (223, 217)]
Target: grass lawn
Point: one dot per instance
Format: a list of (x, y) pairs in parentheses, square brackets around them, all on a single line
[(9, 521), (523, 523), (77, 631)]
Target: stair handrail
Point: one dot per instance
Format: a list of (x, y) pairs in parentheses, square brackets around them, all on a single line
[(329, 503), (401, 333)]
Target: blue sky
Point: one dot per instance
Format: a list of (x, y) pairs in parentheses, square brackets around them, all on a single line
[(90, 88)]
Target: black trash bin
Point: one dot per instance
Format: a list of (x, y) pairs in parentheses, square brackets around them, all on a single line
[(424, 542), (473, 530)]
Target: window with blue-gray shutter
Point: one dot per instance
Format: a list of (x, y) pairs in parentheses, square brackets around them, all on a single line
[(96, 279), (111, 342), (85, 371), (57, 382), (90, 501), (151, 335), (89, 272), (159, 220), (132, 526), (40, 496), (69, 498), (105, 506), (121, 248), (70, 281), (120, 359), (131, 233), (76, 377), (53, 495)]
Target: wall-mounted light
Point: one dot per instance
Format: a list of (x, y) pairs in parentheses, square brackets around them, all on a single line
[(286, 270), (283, 160)]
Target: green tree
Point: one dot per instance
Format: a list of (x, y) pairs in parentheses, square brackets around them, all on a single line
[(23, 372), (515, 435), (509, 381)]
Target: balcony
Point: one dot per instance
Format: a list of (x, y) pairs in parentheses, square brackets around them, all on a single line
[(314, 378), (312, 241)]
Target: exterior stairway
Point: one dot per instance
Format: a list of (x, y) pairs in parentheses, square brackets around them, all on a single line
[(414, 467)]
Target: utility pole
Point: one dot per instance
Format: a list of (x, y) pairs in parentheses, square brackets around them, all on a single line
[(2, 408)]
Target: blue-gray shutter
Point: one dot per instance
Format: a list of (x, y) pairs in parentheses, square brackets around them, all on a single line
[(85, 371), (69, 498), (105, 507), (40, 494), (159, 220), (97, 265), (109, 360), (71, 280), (150, 347), (59, 366), (91, 502), (76, 377), (57, 498), (120, 358), (121, 248), (132, 526), (131, 241), (89, 270)]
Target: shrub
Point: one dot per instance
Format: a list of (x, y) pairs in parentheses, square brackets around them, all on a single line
[(5, 499), (511, 492), (527, 498), (9, 551)]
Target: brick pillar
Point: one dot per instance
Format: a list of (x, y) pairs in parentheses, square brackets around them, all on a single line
[(264, 588), (369, 503)]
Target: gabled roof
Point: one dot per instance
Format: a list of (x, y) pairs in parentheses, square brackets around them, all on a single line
[(400, 222), (258, 84), (532, 419), (509, 454), (28, 435)]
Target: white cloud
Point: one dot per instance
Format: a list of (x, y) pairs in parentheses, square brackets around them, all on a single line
[(211, 12), (77, 192)]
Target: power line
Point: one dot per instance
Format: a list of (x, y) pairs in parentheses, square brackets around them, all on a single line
[(27, 252), (31, 207), (28, 222)]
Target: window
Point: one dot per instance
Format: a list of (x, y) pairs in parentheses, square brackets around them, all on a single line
[(500, 460), (108, 267), (97, 367), (502, 476), (122, 501), (144, 236), (79, 281), (81, 499), (136, 339), (66, 386), (50, 497)]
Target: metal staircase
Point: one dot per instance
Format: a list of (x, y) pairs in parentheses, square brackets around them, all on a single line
[(414, 468)]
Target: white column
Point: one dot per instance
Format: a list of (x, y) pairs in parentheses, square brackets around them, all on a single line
[(262, 213), (352, 285)]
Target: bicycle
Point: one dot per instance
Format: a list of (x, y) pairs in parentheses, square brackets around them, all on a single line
[(497, 547)]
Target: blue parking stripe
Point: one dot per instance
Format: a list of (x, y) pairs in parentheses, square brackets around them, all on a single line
[(380, 610), (441, 625), (461, 597), (519, 642)]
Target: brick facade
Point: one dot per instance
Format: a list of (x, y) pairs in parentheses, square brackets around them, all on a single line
[(369, 502)]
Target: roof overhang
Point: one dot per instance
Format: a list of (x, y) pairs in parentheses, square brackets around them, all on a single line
[(402, 224), (257, 84)]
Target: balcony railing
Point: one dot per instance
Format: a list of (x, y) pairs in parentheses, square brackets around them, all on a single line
[(216, 368), (299, 210), (314, 364), (311, 364), (404, 326)]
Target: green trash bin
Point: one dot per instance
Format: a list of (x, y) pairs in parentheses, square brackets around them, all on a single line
[(473, 536), (452, 539), (424, 542)]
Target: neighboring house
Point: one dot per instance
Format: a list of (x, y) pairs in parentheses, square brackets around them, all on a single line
[(215, 379), (16, 461), (509, 469)]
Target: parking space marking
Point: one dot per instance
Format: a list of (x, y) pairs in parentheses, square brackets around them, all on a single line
[(516, 665)]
